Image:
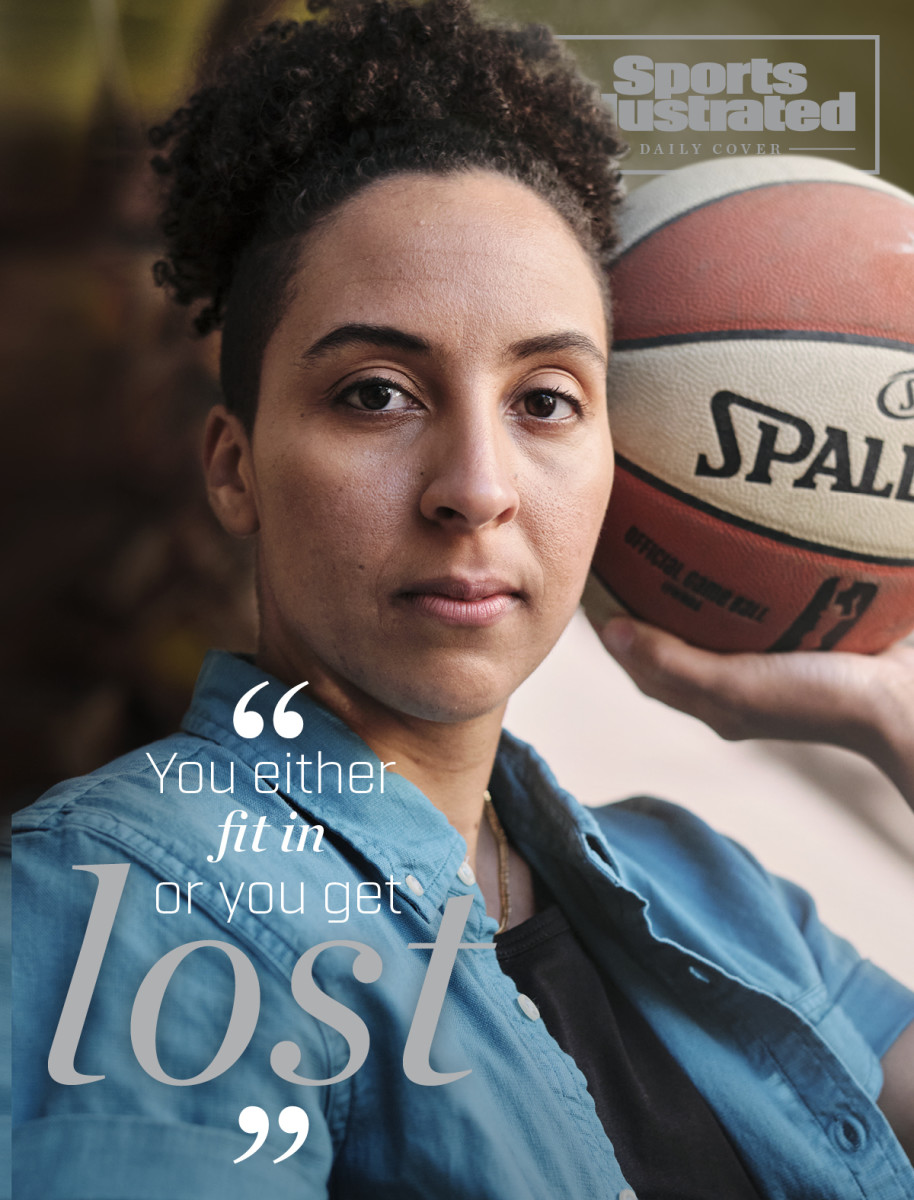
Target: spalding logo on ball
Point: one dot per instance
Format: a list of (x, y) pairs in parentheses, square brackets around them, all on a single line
[(761, 396)]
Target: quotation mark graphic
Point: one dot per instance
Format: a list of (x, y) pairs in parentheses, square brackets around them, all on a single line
[(291, 1120), (250, 724)]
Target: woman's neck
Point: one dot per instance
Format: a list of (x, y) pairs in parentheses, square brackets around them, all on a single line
[(451, 764), (449, 761)]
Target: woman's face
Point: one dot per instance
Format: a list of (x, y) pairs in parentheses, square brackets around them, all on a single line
[(430, 461)]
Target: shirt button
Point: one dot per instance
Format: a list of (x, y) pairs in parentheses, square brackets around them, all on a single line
[(847, 1133), (465, 871), (528, 1008), (414, 885), (627, 1194)]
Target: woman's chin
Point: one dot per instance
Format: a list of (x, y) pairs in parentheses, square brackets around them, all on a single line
[(443, 695), (435, 701)]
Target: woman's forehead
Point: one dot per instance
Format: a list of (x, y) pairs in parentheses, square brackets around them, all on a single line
[(470, 255)]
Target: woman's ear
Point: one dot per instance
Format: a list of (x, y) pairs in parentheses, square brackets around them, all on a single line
[(229, 472)]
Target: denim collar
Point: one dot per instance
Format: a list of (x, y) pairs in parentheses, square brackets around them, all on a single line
[(400, 832)]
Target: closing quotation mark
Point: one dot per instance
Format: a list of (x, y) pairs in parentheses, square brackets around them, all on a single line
[(250, 724), (291, 1120)]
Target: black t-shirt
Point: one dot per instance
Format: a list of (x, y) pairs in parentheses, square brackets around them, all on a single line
[(667, 1140)]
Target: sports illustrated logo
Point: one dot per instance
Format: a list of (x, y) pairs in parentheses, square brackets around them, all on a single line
[(685, 99), (896, 399)]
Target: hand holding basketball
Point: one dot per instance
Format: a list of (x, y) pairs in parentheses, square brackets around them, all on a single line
[(862, 702)]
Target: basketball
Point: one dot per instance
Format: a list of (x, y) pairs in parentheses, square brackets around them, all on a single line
[(761, 401)]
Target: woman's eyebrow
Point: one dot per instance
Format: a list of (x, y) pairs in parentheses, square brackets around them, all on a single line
[(384, 336), (365, 335), (551, 343)]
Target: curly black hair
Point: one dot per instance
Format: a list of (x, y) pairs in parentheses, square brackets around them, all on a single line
[(308, 113)]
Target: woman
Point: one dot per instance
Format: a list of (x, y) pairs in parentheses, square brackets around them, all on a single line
[(400, 217)]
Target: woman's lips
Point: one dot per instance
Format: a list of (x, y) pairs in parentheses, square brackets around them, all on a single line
[(463, 601)]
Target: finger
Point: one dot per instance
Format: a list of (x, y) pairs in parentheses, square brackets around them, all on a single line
[(740, 695), (858, 701), (666, 669)]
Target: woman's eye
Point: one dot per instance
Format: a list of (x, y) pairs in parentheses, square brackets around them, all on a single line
[(375, 395), (549, 405)]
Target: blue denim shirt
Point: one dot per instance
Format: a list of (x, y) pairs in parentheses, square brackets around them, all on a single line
[(779, 1023)]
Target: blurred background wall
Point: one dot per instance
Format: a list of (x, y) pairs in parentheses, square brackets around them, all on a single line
[(117, 577)]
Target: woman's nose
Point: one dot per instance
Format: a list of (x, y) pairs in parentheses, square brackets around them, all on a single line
[(472, 475)]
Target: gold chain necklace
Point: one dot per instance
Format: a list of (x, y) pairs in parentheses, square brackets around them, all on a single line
[(501, 841)]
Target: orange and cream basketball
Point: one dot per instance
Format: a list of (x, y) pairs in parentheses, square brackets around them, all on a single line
[(761, 396)]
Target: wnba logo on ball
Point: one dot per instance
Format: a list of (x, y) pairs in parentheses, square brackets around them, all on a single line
[(897, 397)]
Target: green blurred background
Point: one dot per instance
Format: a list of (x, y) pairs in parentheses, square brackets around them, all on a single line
[(117, 578)]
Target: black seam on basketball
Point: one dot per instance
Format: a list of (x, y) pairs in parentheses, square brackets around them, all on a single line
[(755, 187), (774, 535), (776, 335), (630, 612)]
